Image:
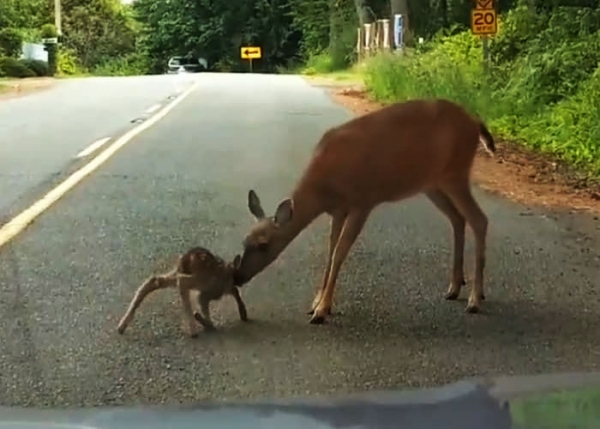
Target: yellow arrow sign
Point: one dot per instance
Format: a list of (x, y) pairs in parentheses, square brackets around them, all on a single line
[(250, 52)]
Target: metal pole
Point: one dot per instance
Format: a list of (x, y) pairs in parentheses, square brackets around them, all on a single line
[(486, 52), (250, 65), (57, 16)]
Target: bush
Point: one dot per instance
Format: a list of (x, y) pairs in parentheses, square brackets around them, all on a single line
[(542, 87), (11, 42), (130, 65), (67, 63), (10, 67), (40, 68), (322, 63), (451, 69)]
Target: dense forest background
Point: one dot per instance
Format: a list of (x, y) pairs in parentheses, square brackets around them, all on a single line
[(541, 87)]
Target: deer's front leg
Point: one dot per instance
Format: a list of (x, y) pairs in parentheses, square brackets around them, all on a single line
[(352, 226), (204, 318), (337, 222), (240, 304)]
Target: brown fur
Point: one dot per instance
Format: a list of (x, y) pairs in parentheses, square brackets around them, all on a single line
[(199, 270), (420, 146)]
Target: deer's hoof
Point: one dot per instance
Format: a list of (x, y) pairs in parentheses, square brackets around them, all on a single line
[(317, 319), (121, 329), (451, 296), (472, 309)]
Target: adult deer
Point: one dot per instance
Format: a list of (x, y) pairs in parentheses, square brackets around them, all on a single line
[(419, 146)]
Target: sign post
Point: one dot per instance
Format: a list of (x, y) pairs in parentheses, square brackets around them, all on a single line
[(398, 31), (484, 23), (250, 53)]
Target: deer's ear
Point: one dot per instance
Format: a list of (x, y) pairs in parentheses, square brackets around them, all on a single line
[(237, 261), (254, 205), (284, 212)]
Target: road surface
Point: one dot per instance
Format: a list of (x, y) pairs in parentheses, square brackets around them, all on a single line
[(43, 134), (68, 278)]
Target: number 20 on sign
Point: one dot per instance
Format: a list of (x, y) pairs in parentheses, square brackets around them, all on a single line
[(484, 22)]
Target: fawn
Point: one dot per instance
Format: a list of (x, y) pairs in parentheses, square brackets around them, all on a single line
[(404, 149), (198, 269)]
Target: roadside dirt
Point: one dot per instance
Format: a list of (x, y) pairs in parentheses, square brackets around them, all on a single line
[(519, 174), (19, 87)]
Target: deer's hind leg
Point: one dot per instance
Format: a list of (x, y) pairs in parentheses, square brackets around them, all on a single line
[(462, 198), (150, 285), (186, 283), (457, 220)]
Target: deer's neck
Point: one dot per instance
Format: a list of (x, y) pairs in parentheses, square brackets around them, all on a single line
[(307, 208)]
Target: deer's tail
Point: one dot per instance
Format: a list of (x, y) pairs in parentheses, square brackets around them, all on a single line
[(487, 139)]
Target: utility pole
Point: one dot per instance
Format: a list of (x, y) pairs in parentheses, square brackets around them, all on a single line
[(57, 17)]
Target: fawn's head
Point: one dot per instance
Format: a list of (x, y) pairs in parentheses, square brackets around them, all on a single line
[(265, 240)]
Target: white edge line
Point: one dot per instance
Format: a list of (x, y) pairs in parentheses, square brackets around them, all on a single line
[(153, 108), (93, 147), (20, 222)]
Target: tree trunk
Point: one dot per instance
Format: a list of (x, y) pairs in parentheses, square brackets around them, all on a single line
[(363, 11), (444, 12)]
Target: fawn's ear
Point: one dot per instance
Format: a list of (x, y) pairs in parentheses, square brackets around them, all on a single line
[(254, 205), (284, 212), (237, 261)]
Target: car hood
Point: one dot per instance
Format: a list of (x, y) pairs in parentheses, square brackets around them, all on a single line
[(475, 403)]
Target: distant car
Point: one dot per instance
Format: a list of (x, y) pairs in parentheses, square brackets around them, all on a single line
[(180, 64)]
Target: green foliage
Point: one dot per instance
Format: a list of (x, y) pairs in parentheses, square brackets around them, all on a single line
[(97, 30), (67, 63), (542, 87), (11, 67), (48, 31), (320, 64), (11, 41), (40, 68)]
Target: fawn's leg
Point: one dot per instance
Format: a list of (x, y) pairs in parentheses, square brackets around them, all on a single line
[(149, 286), (461, 196), (240, 304), (186, 284), (337, 222), (352, 226), (457, 220), (204, 316)]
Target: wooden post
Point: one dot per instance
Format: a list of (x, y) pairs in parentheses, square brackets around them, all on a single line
[(367, 39), (386, 34), (359, 44)]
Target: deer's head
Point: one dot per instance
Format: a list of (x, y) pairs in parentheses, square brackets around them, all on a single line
[(266, 239)]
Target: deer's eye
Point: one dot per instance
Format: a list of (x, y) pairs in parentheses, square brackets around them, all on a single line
[(262, 247)]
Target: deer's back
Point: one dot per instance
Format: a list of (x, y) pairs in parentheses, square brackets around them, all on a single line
[(212, 272), (392, 153)]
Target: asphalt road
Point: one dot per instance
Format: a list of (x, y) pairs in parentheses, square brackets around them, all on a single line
[(68, 278), (42, 134)]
